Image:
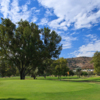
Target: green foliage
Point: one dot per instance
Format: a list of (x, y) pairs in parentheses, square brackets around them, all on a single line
[(60, 67), (84, 74), (96, 62), (71, 73), (6, 69), (3, 68), (45, 68), (23, 47), (91, 73), (34, 73)]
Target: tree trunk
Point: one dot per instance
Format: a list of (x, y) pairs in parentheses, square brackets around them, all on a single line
[(79, 75), (22, 75), (45, 76), (59, 77), (34, 77)]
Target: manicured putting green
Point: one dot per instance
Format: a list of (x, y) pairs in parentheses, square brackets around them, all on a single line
[(48, 90)]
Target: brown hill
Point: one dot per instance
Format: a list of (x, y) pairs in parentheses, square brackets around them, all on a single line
[(83, 62)]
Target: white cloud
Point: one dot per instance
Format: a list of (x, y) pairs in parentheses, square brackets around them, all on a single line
[(73, 33), (92, 37), (37, 11), (79, 12), (24, 8), (67, 41), (4, 7), (84, 21), (88, 50), (56, 24), (48, 13), (34, 19), (15, 12), (15, 15), (44, 21)]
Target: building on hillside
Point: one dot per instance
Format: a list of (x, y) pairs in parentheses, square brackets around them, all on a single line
[(87, 70)]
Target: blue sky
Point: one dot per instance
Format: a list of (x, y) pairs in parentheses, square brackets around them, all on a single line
[(76, 21)]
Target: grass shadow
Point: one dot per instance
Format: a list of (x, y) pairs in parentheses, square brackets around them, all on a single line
[(13, 99), (56, 78), (83, 80), (71, 78)]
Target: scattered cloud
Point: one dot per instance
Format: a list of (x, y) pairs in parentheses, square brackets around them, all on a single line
[(15, 15), (84, 21), (24, 8), (58, 24), (15, 12), (88, 49), (44, 21), (67, 41), (92, 37), (82, 14), (64, 17), (34, 19), (48, 12), (73, 33), (4, 7)]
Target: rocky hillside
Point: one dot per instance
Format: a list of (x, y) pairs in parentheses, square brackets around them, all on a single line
[(83, 62)]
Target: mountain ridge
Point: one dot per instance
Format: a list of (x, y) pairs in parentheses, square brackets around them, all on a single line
[(83, 62)]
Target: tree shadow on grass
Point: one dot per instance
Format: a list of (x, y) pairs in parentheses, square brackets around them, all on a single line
[(92, 80), (70, 78), (13, 99)]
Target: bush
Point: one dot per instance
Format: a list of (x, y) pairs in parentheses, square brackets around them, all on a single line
[(71, 73), (91, 73), (84, 74)]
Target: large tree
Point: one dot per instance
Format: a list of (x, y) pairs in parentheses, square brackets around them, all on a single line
[(96, 62), (26, 46)]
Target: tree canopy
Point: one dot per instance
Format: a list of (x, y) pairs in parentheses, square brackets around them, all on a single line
[(96, 62), (26, 46), (60, 67)]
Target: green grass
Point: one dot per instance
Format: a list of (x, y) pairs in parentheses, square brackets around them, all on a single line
[(50, 89)]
